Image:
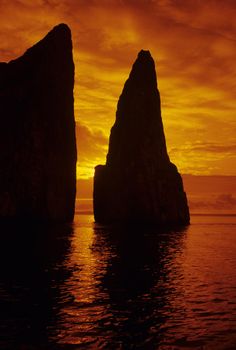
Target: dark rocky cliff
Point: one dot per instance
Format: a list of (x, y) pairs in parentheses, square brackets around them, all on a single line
[(37, 134), (138, 182)]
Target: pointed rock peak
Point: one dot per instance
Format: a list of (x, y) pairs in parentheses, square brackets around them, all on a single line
[(61, 32), (60, 29), (143, 70), (144, 54), (56, 42)]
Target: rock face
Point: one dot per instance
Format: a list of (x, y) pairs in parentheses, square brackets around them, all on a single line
[(37, 134), (138, 182)]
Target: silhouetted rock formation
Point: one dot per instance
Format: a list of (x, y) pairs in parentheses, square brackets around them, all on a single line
[(138, 182), (37, 134)]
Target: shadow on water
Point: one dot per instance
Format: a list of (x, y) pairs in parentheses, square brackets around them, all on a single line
[(139, 279), (32, 269)]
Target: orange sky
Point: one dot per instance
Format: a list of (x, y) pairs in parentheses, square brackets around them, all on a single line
[(194, 45)]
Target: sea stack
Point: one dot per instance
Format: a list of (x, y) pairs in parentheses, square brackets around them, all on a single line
[(138, 182), (37, 134)]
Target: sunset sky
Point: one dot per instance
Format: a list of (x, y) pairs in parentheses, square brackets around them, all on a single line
[(193, 43)]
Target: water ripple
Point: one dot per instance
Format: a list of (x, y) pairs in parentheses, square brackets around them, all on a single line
[(97, 287)]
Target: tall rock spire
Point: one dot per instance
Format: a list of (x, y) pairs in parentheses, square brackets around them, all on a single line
[(37, 135), (138, 182)]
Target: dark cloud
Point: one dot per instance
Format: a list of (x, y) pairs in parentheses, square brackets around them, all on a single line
[(208, 147), (222, 202)]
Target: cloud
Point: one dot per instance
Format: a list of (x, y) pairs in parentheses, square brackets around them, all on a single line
[(194, 48), (91, 148), (223, 202), (209, 147), (203, 157)]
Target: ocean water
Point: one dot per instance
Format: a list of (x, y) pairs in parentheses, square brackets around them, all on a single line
[(89, 286)]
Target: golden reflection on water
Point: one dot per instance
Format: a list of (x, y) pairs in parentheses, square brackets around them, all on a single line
[(84, 262), (80, 316)]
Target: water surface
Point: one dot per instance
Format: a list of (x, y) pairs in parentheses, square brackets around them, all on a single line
[(125, 287)]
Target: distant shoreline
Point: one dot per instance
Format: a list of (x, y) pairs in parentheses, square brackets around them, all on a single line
[(85, 212)]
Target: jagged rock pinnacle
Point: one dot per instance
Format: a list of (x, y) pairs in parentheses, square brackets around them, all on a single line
[(138, 117), (37, 136), (138, 182)]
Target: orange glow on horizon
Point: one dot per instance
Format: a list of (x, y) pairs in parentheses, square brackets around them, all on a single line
[(194, 49)]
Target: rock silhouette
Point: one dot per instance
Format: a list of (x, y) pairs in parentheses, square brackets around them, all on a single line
[(37, 135), (138, 182)]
